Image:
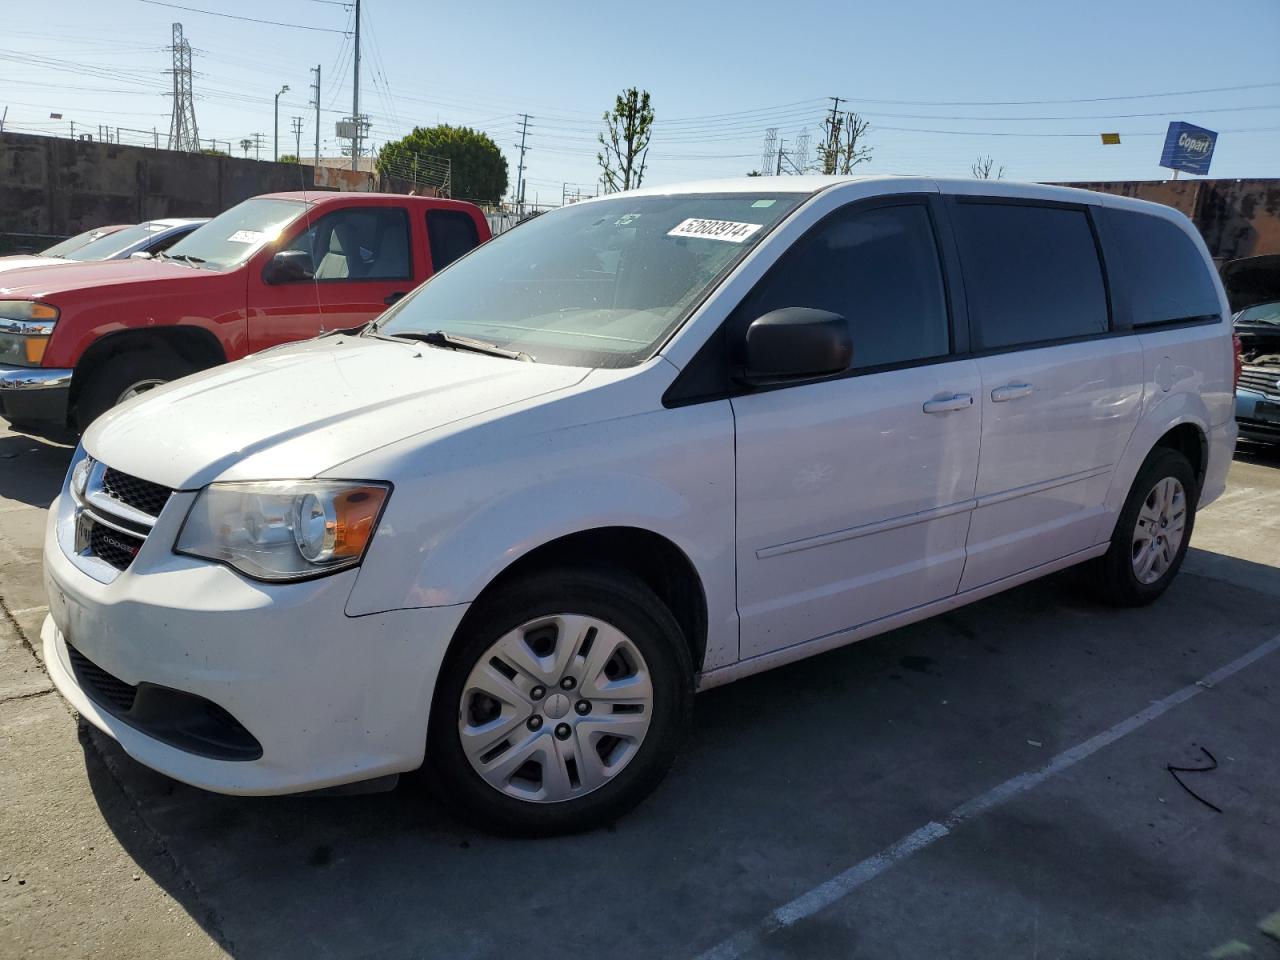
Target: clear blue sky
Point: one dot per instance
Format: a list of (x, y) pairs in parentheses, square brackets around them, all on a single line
[(720, 73)]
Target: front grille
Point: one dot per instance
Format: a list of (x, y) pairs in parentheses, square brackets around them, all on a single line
[(100, 686), (116, 548), (142, 495), (1261, 379)]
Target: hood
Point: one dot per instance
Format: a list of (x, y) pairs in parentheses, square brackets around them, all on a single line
[(67, 276), (25, 261), (1251, 280), (294, 411)]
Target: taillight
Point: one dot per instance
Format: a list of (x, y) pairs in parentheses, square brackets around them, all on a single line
[(1239, 349)]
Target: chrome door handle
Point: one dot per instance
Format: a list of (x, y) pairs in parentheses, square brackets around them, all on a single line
[(957, 401), (1013, 391)]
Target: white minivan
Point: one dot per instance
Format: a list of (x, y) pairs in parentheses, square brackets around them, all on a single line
[(639, 446)]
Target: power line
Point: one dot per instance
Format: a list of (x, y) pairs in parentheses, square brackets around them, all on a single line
[(232, 16), (1024, 103)]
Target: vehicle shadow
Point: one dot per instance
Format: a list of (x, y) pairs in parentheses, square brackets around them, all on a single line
[(788, 778), (1260, 454), (31, 468)]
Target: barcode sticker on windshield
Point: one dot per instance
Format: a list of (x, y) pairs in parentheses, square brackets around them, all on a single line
[(714, 230), (247, 236)]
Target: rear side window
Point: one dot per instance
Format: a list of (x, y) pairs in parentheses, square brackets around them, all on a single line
[(1166, 275), (877, 268), (451, 233), (1031, 274)]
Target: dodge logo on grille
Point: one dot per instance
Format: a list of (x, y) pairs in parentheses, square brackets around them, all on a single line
[(115, 542)]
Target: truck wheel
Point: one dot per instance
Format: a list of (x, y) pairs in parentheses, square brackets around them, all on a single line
[(124, 377), (1152, 532), (562, 704)]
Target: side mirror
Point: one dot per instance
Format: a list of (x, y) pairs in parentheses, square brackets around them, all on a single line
[(288, 266), (795, 343)]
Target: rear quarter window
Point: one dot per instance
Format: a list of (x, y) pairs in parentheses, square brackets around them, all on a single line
[(1166, 275), (451, 233)]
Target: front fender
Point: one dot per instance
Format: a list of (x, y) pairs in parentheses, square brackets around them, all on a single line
[(448, 532)]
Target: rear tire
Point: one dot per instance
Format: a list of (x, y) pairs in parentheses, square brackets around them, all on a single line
[(592, 695), (124, 376), (1152, 532)]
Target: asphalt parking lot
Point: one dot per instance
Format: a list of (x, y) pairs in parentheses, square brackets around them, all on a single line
[(993, 783)]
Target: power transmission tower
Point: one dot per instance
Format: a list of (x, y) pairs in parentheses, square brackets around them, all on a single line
[(524, 132), (831, 148), (315, 102), (183, 134), (297, 139), (800, 155), (770, 148)]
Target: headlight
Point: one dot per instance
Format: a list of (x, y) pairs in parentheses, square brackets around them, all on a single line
[(80, 476), (25, 328), (284, 529)]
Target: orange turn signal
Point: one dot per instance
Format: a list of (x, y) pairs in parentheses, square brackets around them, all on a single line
[(356, 513)]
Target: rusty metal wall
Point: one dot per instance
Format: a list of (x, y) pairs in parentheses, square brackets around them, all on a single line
[(1237, 218)]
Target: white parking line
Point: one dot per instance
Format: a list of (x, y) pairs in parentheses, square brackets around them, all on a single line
[(843, 884)]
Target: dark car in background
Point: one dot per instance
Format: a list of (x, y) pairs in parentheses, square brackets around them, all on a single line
[(1253, 288)]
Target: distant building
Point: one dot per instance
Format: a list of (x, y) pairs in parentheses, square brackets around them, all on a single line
[(1237, 218)]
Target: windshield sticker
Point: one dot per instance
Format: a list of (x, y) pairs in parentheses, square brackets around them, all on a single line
[(714, 230), (764, 203), (247, 236), (626, 219)]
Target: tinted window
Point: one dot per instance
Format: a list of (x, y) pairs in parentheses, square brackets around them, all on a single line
[(1030, 273), (358, 243), (1165, 273), (877, 268), (451, 233)]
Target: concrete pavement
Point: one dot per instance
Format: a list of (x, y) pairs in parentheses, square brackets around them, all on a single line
[(791, 779)]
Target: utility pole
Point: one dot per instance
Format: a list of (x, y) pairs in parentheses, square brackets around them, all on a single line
[(297, 139), (833, 137), (283, 90), (524, 132), (315, 102), (781, 152), (257, 146), (355, 96)]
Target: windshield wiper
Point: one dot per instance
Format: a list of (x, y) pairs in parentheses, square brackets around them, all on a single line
[(439, 338), (180, 256)]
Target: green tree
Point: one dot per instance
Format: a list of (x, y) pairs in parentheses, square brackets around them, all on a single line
[(629, 127), (478, 170), (288, 158)]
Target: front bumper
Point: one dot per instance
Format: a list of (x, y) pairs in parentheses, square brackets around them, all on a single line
[(331, 699), (1252, 425), (34, 394)]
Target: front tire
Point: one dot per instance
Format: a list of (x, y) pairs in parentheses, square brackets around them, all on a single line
[(562, 705), (1152, 531)]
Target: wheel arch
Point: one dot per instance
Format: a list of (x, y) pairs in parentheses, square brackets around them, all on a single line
[(194, 344), (662, 565)]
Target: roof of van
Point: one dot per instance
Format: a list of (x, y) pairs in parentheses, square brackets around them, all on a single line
[(814, 184)]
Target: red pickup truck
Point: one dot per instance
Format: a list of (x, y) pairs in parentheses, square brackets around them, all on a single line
[(78, 339)]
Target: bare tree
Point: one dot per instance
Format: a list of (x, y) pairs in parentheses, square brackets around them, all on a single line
[(984, 168), (628, 126), (846, 145)]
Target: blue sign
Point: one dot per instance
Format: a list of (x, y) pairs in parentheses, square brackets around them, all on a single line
[(1188, 148)]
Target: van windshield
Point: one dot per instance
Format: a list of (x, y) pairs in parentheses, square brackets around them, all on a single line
[(599, 284), (106, 247), (231, 238)]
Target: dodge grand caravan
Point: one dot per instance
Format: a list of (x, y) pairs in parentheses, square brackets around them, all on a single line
[(638, 446)]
